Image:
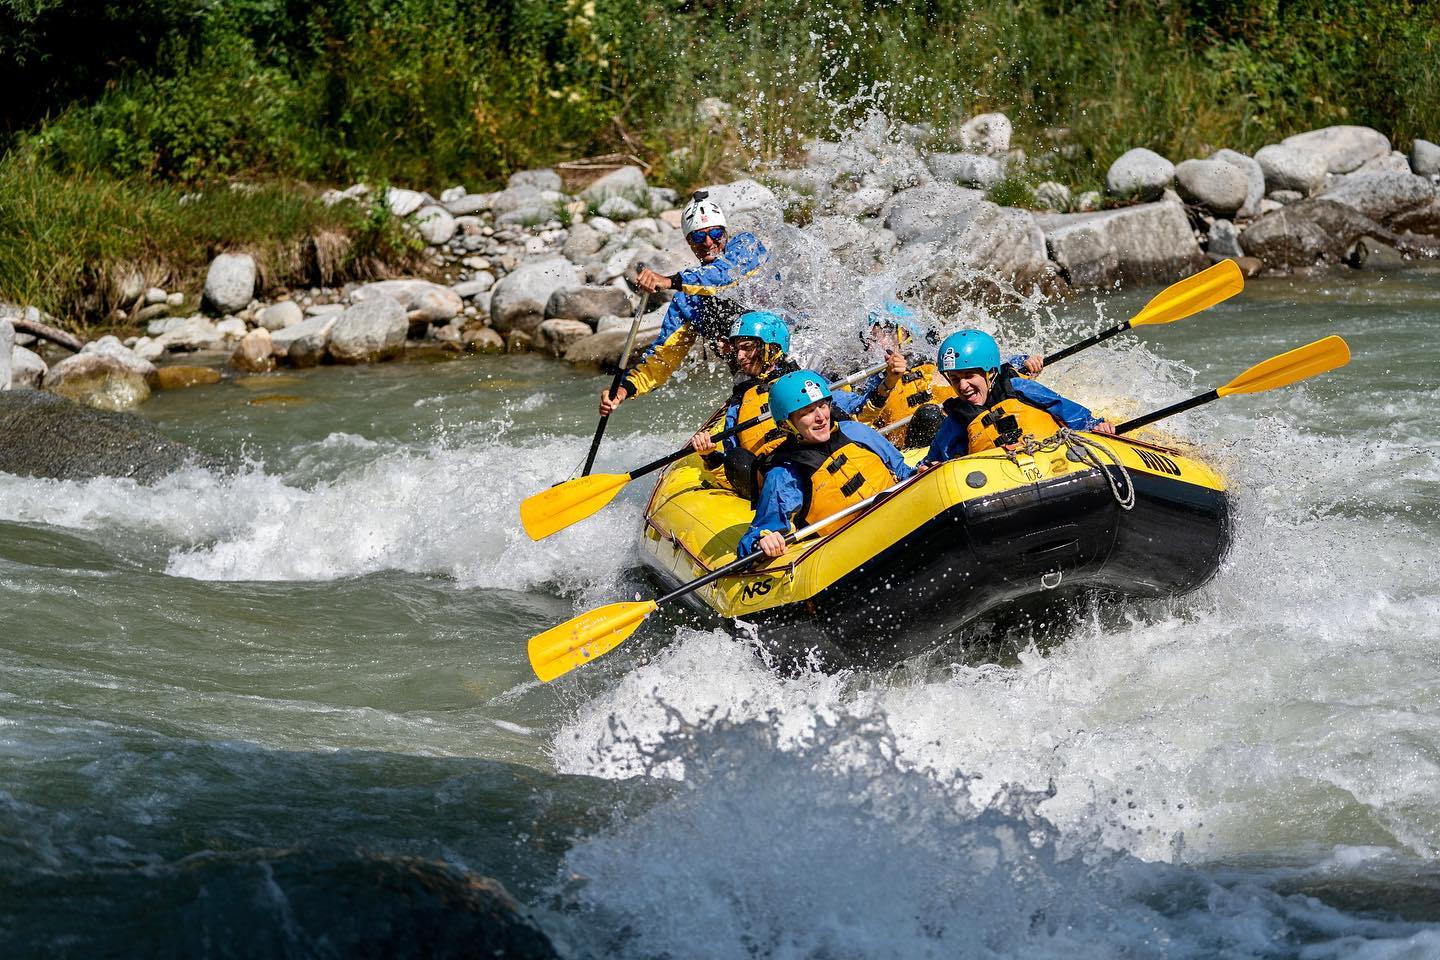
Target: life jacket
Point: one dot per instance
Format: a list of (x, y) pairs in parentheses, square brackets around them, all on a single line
[(1006, 422), (752, 396), (838, 473), (916, 388)]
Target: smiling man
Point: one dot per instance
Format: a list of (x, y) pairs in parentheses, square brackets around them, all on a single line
[(698, 310)]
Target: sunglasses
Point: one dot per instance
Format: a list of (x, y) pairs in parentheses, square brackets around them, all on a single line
[(697, 237)]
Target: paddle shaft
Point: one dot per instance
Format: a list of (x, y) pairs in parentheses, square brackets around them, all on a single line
[(615, 384), (1169, 411), (1087, 342)]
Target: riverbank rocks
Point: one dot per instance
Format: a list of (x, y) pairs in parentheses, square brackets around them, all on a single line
[(1215, 185), (1289, 168), (987, 133), (303, 345), (603, 349), (1143, 243), (1139, 173), (588, 303), (369, 331), (27, 369), (104, 375), (519, 300), (435, 224), (7, 352), (747, 204), (1341, 148), (979, 245), (402, 202), (967, 169), (280, 315), (1308, 232), (912, 214), (424, 302), (1370, 254), (627, 182), (556, 335), (1425, 158), (1381, 196), (1223, 241), (1254, 181), (230, 282), (255, 354)]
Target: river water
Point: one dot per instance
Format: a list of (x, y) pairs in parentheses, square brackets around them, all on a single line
[(323, 651)]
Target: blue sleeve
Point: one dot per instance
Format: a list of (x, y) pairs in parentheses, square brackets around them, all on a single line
[(1068, 412), (1018, 362), (882, 448), (744, 256), (951, 440), (847, 401), (780, 497), (732, 417)]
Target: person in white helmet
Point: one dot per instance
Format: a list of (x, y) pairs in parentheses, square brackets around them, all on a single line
[(698, 309)]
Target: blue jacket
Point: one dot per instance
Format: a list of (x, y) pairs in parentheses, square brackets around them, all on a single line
[(784, 490), (696, 311), (953, 439)]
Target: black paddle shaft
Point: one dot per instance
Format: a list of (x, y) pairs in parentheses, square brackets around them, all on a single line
[(1169, 411), (620, 371), (1087, 342), (686, 450)]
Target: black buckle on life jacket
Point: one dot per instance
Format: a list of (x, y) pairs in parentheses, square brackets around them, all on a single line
[(853, 484), (910, 376), (835, 465), (918, 398), (1007, 428)]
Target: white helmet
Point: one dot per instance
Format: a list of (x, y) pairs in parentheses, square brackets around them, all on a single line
[(701, 213)]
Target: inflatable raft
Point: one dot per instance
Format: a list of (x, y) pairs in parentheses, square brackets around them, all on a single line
[(956, 543)]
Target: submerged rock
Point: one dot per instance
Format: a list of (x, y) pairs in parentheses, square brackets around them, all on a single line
[(179, 377), (43, 435)]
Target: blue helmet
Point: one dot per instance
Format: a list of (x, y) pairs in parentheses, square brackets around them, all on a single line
[(969, 350), (796, 391), (896, 314), (764, 326)]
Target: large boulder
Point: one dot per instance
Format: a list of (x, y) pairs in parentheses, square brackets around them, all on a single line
[(968, 169), (556, 334), (27, 369), (747, 204), (1215, 185), (1341, 148), (1254, 180), (280, 315), (105, 375), (424, 302), (230, 282), (603, 349), (1143, 243), (979, 246), (588, 303), (369, 331), (403, 202), (1423, 220), (986, 133), (1392, 162), (1308, 232), (42, 435), (1290, 168), (255, 353), (543, 179), (303, 345), (853, 243), (912, 214), (1381, 196), (520, 297), (1139, 173), (518, 198), (582, 242), (628, 182), (435, 224), (1425, 158), (470, 204)]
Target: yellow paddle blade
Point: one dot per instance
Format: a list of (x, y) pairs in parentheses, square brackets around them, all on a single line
[(1193, 294), (561, 649), (570, 502), (1307, 361)]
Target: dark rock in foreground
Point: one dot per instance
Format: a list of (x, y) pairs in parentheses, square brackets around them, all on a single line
[(42, 435)]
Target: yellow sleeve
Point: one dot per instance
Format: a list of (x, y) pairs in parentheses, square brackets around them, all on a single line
[(662, 360)]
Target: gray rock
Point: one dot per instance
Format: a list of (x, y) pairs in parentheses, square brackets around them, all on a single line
[(980, 245), (255, 353), (27, 369), (662, 198), (470, 204), (612, 322), (520, 297), (280, 315), (1289, 168), (526, 216), (42, 435), (557, 334), (583, 241), (1139, 173), (1370, 254), (451, 193), (424, 302), (855, 244), (1147, 242), (184, 334), (7, 355), (151, 312), (104, 374), (1392, 162), (482, 340), (1381, 196), (543, 179), (324, 309), (1308, 232), (468, 289), (370, 331), (1286, 197), (1422, 220), (987, 133), (230, 282), (1254, 180), (231, 328), (303, 345), (435, 225), (588, 303), (603, 349), (1088, 200), (1053, 196), (746, 199), (517, 198), (620, 208), (624, 182), (1341, 148), (1425, 158), (1224, 240), (1215, 185), (865, 202), (402, 203), (155, 295), (968, 169), (913, 213), (603, 225), (175, 299)]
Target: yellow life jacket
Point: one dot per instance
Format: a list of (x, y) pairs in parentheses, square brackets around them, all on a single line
[(916, 388), (754, 401), (1006, 422), (841, 472)]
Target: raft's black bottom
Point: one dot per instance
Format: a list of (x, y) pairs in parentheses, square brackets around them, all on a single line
[(1052, 539)]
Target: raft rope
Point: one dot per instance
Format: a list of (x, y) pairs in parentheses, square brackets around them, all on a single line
[(1089, 452)]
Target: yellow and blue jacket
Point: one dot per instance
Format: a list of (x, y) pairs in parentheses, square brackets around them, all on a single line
[(697, 310)]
